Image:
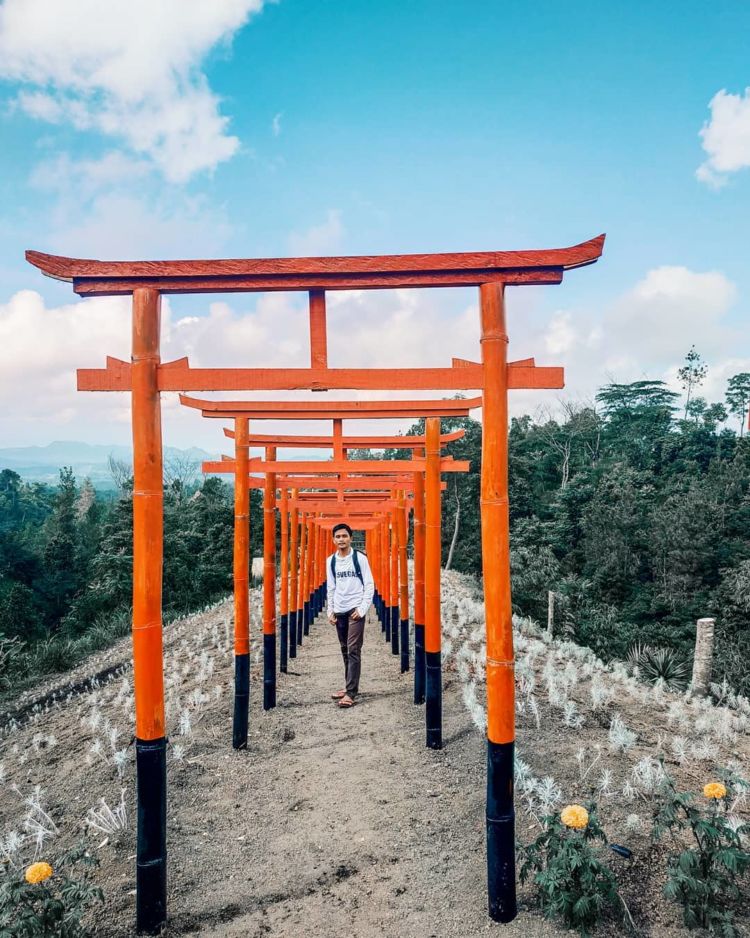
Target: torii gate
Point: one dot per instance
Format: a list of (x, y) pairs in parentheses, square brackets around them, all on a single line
[(146, 377), (241, 412)]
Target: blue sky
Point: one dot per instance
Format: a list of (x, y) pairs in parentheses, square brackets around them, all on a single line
[(355, 127)]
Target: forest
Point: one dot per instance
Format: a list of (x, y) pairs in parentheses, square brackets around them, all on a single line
[(633, 510)]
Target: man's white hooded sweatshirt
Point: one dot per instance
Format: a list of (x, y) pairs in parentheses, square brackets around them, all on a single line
[(346, 591)]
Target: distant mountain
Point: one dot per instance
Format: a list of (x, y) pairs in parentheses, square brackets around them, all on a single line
[(43, 463)]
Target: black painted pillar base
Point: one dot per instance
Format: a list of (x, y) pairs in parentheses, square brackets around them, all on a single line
[(501, 840), (418, 664), (306, 617), (404, 645), (241, 701), (394, 630), (284, 647), (300, 626), (387, 622), (269, 672), (292, 634), (151, 848), (433, 700)]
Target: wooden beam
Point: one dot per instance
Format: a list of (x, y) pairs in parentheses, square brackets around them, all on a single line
[(179, 376), (102, 278)]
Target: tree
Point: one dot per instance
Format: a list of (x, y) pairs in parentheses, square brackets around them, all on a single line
[(61, 573), (738, 397), (692, 374)]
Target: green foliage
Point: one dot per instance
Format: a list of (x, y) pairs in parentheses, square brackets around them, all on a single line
[(738, 397), (566, 865), (703, 877), (66, 565), (659, 664), (54, 908)]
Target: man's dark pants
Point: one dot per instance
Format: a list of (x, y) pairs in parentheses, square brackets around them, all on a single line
[(351, 634)]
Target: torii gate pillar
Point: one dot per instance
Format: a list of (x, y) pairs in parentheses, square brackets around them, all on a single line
[(148, 675), (501, 879)]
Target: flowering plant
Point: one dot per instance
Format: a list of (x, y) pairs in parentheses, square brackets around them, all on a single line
[(42, 900), (705, 877), (565, 863)]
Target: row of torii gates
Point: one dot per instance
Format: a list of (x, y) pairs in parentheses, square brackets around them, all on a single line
[(373, 495)]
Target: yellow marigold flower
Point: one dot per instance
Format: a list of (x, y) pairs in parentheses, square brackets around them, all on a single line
[(714, 790), (38, 872), (574, 815)]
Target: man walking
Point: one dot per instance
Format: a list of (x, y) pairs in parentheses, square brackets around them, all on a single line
[(350, 590)]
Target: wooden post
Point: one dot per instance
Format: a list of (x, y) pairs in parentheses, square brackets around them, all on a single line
[(432, 548), (501, 881), (293, 570), (241, 584), (284, 576), (419, 612), (550, 612), (310, 542), (148, 540), (394, 581), (385, 560), (269, 585), (403, 574), (301, 578), (703, 657)]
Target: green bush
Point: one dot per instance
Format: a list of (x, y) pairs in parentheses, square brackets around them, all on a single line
[(53, 907), (704, 877), (566, 865)]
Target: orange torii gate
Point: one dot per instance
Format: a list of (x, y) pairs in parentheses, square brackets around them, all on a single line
[(341, 444), (241, 412), (145, 377)]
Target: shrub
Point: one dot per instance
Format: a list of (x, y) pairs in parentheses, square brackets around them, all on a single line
[(658, 664), (574, 882), (44, 901), (704, 878)]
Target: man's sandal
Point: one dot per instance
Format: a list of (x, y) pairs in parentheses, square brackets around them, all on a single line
[(346, 702), (338, 695)]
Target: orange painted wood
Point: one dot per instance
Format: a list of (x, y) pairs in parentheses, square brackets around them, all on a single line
[(318, 338), (269, 550), (359, 442), (148, 530), (302, 560), (403, 564), (284, 547), (496, 520), (94, 277), (241, 560), (179, 376), (393, 523), (419, 535), (432, 548), (331, 410), (293, 552), (447, 464)]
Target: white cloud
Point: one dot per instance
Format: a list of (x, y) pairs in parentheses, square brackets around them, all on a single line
[(324, 238), (276, 124), (726, 137), (645, 332), (117, 225), (130, 69)]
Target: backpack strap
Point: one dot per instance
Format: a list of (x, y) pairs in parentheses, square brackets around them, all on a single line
[(357, 568), (355, 561)]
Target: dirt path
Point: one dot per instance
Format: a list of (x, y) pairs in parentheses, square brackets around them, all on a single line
[(335, 823)]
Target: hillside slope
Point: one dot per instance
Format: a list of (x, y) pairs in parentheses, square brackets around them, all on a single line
[(342, 823)]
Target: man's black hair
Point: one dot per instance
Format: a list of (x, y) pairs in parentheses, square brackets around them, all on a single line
[(338, 527)]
